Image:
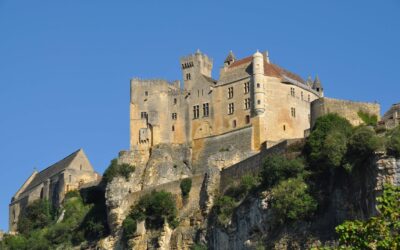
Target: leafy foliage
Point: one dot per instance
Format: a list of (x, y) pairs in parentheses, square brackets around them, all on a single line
[(37, 215), (225, 206), (240, 190), (154, 208), (277, 168), (291, 200), (393, 143), (115, 170), (329, 133), (367, 118), (381, 232), (186, 186)]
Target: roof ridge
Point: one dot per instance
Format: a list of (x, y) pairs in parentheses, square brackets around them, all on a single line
[(73, 153)]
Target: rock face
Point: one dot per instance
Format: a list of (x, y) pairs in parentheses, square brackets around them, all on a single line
[(252, 221)]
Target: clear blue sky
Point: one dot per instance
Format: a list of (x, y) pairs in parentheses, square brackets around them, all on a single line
[(65, 65)]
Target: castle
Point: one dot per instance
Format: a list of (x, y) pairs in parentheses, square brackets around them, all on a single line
[(255, 102)]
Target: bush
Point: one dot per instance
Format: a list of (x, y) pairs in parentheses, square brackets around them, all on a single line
[(362, 145), (129, 227), (37, 215), (224, 208), (240, 190), (367, 118), (381, 232), (115, 169), (277, 168), (393, 143), (186, 185), (291, 201), (330, 132), (199, 247)]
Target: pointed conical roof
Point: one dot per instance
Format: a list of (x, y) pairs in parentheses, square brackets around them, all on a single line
[(309, 81), (230, 58), (317, 83)]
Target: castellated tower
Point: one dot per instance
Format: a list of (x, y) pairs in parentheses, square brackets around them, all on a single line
[(258, 83), (193, 66)]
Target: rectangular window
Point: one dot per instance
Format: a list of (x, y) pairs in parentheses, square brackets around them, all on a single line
[(247, 119), (246, 87), (206, 110), (146, 93), (258, 85), (143, 115), (231, 108), (292, 93), (234, 123), (70, 178), (247, 103), (175, 101), (174, 116), (188, 77), (230, 92), (196, 112), (293, 112)]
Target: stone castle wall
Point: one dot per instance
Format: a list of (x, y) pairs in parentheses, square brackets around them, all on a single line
[(253, 164), (346, 109), (203, 148)]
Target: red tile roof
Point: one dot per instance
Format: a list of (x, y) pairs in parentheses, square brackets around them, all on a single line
[(270, 69)]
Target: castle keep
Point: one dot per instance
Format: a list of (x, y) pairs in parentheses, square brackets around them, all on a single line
[(254, 103)]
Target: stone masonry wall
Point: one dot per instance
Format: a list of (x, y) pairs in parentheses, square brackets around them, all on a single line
[(253, 164), (346, 109), (203, 148)]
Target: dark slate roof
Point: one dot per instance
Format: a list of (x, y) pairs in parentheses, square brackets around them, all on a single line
[(317, 83), (52, 170)]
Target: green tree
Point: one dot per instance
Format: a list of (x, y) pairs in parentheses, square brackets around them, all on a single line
[(224, 207), (37, 215), (186, 186), (291, 201), (393, 142), (115, 169), (380, 232), (277, 168), (330, 132)]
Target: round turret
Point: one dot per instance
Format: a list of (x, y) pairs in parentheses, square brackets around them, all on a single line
[(258, 83)]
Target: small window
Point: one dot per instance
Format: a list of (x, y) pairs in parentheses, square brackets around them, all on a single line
[(247, 119), (234, 123), (293, 112), (230, 92), (175, 101), (284, 127), (258, 102), (196, 112), (173, 128), (231, 108), (292, 93), (302, 95), (188, 76), (246, 87), (309, 98), (258, 85), (174, 116), (247, 103), (146, 93), (206, 110), (143, 115)]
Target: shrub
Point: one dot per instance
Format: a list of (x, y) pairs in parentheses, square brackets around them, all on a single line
[(291, 201), (115, 169), (186, 185), (277, 168), (36, 215), (199, 247), (224, 208), (318, 145), (362, 145), (240, 190), (393, 143), (129, 228), (15, 242), (367, 118), (380, 232)]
